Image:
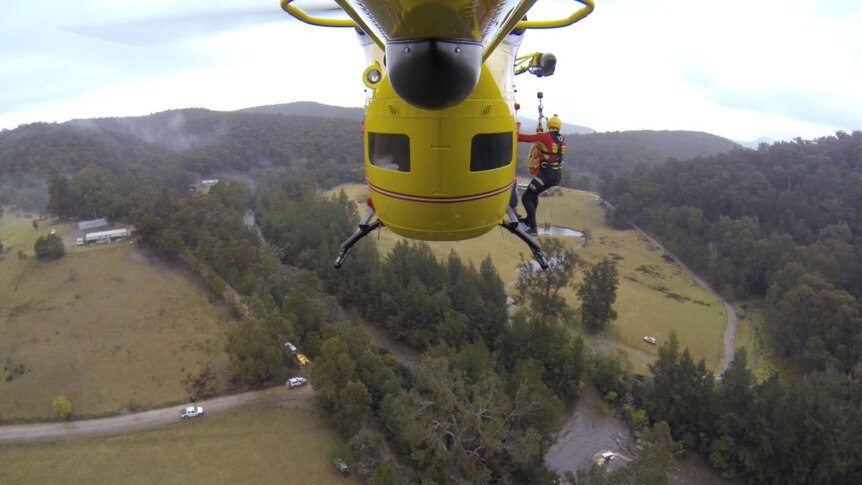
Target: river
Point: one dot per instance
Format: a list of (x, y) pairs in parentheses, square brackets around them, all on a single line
[(589, 428), (592, 428), (559, 231)]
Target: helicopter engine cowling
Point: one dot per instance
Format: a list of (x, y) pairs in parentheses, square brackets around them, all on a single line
[(433, 74)]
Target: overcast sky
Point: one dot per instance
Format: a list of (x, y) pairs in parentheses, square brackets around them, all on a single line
[(742, 70)]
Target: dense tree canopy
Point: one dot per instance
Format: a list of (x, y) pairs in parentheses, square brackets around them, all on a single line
[(540, 289), (782, 222), (465, 427), (763, 431)]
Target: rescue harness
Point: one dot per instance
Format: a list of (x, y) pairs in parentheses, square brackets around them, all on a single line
[(553, 159)]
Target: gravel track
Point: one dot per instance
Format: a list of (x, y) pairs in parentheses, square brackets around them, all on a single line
[(294, 398)]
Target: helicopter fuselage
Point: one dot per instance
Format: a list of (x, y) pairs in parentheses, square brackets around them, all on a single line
[(444, 174), (440, 127)]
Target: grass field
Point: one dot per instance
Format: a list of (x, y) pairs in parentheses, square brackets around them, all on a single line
[(107, 326), (264, 444), (654, 297)]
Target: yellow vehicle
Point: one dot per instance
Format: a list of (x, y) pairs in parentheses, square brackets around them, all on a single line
[(440, 128), (302, 359)]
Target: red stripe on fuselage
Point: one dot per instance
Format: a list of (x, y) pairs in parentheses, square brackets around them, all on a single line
[(440, 200)]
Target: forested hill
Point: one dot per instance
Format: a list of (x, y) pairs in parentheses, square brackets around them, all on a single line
[(309, 108), (240, 141), (620, 150), (591, 152), (782, 223), (779, 229), (528, 124), (175, 147), (204, 141)]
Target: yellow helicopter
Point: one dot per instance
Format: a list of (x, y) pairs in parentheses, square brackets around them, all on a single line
[(440, 127)]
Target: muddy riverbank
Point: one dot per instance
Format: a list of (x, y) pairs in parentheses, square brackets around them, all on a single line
[(589, 428)]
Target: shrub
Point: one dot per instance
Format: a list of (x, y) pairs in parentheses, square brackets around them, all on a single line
[(62, 407), (217, 285), (49, 247), (203, 385)]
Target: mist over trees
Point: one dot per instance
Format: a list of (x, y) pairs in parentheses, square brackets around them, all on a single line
[(170, 149), (174, 148)]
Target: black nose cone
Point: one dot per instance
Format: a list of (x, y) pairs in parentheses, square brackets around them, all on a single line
[(433, 73)]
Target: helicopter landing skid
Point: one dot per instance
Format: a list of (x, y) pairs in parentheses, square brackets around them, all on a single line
[(513, 226), (365, 228)]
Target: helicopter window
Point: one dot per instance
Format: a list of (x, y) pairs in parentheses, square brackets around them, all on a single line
[(490, 151), (390, 151)]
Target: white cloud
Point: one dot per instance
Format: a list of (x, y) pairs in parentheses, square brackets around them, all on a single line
[(227, 69), (767, 68), (773, 68)]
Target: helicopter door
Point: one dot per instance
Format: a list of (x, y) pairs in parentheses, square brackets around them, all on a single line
[(476, 168)]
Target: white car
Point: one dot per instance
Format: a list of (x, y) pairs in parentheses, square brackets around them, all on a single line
[(191, 412), (650, 340), (295, 382), (290, 347)]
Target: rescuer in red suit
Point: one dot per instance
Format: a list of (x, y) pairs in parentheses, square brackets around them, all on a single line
[(545, 164)]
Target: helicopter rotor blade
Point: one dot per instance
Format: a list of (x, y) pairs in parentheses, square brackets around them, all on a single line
[(170, 28)]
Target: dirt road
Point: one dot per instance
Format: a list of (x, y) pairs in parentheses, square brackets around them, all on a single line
[(302, 397), (294, 398), (730, 329)]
